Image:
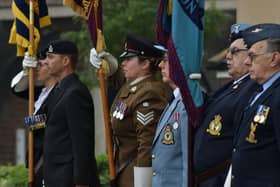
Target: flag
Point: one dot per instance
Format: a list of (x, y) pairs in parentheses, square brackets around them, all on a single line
[(180, 30), (91, 10), (19, 34)]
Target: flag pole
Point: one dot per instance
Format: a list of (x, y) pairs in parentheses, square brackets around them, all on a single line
[(99, 48), (31, 96), (107, 125)]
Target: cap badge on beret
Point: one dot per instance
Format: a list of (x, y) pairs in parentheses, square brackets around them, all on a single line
[(236, 29), (50, 50)]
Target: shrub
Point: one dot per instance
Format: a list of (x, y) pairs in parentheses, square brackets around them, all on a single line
[(17, 176)]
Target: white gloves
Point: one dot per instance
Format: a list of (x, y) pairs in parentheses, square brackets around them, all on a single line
[(28, 61), (94, 59), (20, 81), (97, 61)]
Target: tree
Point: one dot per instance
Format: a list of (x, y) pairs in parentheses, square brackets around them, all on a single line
[(119, 18)]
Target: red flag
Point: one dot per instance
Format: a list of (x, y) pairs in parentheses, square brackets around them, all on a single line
[(91, 10)]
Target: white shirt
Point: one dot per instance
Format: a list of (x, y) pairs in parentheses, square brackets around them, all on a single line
[(42, 97)]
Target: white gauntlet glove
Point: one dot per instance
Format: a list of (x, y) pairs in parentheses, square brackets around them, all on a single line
[(94, 59), (20, 82), (109, 66), (29, 62)]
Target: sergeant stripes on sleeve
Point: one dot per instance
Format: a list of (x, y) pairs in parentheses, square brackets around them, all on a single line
[(144, 119)]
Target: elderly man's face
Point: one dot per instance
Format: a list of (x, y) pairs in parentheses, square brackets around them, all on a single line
[(259, 62), (235, 57)]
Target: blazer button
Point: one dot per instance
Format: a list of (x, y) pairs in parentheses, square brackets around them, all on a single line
[(232, 177), (153, 156), (154, 174), (234, 150)]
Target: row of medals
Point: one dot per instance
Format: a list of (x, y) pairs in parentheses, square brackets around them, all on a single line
[(119, 110)]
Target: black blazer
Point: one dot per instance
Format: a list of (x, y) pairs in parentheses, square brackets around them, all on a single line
[(38, 134), (257, 163), (69, 156), (213, 144)]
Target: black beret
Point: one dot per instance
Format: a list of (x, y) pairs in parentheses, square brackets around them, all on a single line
[(236, 31), (62, 47), (42, 54), (137, 46), (261, 32)]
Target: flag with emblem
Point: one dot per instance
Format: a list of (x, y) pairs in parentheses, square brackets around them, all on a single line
[(19, 34), (180, 30), (91, 10)]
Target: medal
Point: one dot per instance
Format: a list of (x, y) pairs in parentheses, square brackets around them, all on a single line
[(256, 118), (176, 118), (123, 109), (262, 114), (116, 109)]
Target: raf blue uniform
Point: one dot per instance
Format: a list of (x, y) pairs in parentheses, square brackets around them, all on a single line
[(213, 141), (256, 152), (169, 150)]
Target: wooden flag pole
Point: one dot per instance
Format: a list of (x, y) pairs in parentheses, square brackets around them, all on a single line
[(107, 124), (31, 96), (99, 47)]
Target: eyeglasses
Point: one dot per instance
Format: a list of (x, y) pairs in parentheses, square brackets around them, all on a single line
[(253, 56), (235, 50)]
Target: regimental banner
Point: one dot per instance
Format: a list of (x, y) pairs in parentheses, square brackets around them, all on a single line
[(81, 7), (180, 30), (19, 34)]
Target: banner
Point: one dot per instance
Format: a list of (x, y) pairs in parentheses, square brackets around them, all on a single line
[(180, 30), (91, 10), (19, 34)]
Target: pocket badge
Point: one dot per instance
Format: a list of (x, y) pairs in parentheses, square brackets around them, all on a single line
[(168, 136), (215, 126)]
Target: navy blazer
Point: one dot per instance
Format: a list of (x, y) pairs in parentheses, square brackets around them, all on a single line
[(214, 139), (256, 152), (69, 157)]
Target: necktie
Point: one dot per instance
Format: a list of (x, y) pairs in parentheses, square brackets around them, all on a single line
[(259, 90)]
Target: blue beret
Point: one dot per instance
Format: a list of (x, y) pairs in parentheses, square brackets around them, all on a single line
[(236, 31), (62, 47), (137, 46), (261, 32)]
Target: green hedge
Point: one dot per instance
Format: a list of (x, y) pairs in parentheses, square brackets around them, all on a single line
[(17, 176)]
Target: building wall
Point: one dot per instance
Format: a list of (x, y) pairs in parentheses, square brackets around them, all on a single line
[(258, 11)]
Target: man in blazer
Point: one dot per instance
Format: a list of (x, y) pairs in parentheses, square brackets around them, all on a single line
[(214, 139), (69, 159), (256, 151), (169, 149)]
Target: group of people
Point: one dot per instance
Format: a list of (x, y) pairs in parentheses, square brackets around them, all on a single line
[(236, 143)]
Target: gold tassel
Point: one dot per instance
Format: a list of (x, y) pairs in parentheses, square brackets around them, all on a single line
[(169, 8)]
